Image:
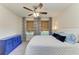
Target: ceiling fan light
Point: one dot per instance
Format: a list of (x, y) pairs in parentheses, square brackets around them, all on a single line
[(36, 14)]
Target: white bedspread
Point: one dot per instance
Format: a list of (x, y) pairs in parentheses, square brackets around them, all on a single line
[(48, 45)]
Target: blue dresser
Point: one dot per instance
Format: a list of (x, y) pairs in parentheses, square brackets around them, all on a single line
[(6, 46)]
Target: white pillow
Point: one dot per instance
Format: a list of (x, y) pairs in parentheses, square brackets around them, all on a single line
[(77, 37)]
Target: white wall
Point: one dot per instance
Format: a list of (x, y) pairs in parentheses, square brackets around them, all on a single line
[(10, 24), (69, 19)]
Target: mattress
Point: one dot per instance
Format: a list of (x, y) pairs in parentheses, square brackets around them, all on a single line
[(48, 45)]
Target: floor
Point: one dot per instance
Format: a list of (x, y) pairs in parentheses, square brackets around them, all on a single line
[(20, 50)]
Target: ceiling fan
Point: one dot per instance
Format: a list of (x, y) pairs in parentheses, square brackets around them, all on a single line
[(35, 11)]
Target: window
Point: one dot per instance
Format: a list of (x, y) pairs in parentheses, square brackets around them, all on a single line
[(44, 25), (30, 26)]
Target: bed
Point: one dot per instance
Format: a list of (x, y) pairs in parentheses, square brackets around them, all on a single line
[(49, 45)]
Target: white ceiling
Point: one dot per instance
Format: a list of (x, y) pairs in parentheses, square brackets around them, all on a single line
[(53, 9)]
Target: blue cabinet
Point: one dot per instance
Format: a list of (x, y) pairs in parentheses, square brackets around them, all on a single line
[(2, 47), (6, 46)]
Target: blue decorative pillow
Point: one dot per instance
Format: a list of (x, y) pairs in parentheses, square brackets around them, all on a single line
[(70, 38)]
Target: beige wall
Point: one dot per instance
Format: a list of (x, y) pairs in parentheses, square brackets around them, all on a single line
[(10, 24), (55, 24), (69, 18)]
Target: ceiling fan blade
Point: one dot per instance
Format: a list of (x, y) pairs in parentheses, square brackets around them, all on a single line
[(30, 14), (43, 12), (27, 8), (40, 5)]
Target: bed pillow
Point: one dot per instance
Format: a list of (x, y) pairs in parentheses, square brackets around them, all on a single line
[(70, 38), (76, 34), (72, 33), (77, 37), (59, 37)]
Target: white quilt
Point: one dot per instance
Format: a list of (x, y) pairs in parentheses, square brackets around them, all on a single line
[(48, 45)]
